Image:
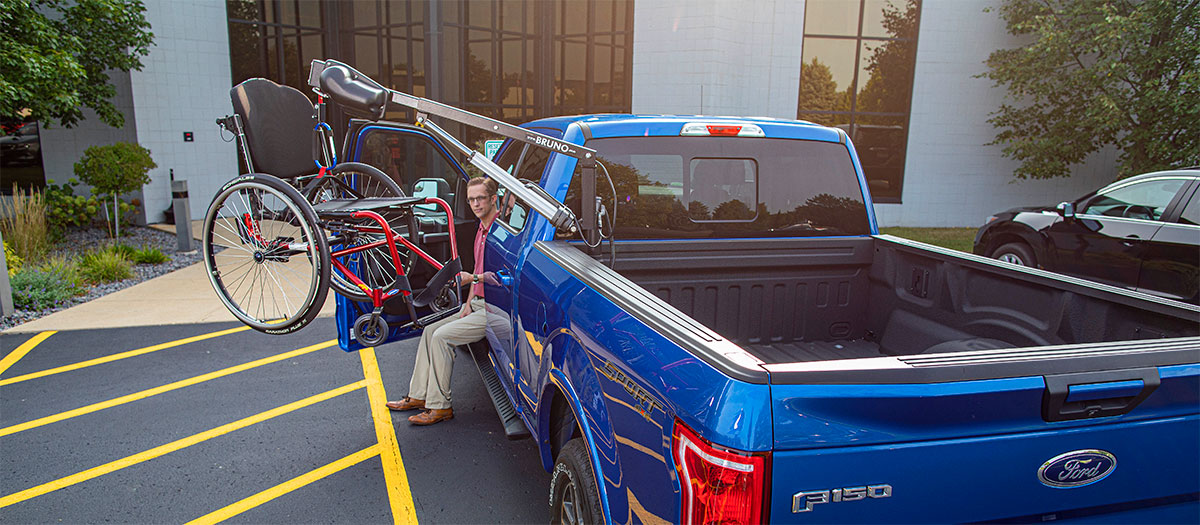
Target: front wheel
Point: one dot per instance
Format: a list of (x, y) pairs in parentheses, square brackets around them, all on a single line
[(1017, 253), (574, 498), (265, 255)]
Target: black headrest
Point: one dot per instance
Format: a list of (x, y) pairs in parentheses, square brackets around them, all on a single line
[(278, 122)]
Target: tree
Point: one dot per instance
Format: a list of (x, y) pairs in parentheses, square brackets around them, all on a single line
[(819, 92), (56, 55), (888, 89), (113, 170), (1114, 72)]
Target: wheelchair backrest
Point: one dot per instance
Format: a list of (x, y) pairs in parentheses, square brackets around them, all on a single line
[(278, 122)]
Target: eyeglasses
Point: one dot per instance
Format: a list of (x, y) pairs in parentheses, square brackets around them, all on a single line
[(473, 200)]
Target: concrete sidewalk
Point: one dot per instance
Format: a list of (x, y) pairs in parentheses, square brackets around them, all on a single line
[(181, 297)]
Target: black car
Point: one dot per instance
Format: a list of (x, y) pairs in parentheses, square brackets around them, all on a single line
[(1141, 233)]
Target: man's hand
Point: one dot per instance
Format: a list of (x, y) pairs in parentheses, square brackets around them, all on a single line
[(464, 278), (465, 311)]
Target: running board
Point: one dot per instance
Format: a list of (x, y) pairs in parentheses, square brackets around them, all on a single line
[(514, 427)]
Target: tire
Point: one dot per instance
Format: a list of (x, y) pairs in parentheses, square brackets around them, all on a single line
[(574, 498), (272, 269), (355, 180), (1017, 253)]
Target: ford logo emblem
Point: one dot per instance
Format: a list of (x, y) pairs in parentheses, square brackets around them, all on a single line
[(1077, 468)]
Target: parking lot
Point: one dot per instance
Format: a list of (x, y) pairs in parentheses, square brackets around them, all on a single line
[(208, 422)]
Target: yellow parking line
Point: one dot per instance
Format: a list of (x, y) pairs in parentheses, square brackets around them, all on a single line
[(117, 357), (25, 347), (161, 389), (161, 450), (399, 493), (244, 505)]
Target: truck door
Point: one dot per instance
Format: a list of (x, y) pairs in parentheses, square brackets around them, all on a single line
[(421, 166), (503, 255)]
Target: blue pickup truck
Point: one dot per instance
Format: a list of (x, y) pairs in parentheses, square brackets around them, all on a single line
[(733, 341)]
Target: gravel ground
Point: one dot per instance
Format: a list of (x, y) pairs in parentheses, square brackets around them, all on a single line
[(80, 241)]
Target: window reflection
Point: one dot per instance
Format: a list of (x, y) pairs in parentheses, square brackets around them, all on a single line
[(858, 58), (20, 155), (709, 187)]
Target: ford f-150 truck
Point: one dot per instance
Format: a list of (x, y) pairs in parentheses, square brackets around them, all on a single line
[(733, 341)]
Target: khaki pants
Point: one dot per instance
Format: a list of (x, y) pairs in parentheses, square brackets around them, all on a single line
[(435, 354)]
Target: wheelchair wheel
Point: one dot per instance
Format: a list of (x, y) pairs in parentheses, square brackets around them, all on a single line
[(355, 180), (370, 330), (265, 254)]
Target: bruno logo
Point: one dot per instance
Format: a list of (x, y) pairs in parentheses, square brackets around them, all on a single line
[(1077, 468)]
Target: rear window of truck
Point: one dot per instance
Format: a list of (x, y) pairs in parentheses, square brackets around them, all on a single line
[(719, 187)]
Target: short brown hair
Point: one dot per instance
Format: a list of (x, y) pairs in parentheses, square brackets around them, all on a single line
[(489, 184)]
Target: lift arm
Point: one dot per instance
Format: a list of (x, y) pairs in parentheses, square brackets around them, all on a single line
[(359, 93)]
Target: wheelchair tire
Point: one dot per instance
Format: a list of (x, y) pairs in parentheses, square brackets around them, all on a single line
[(265, 254), (370, 330), (355, 180)]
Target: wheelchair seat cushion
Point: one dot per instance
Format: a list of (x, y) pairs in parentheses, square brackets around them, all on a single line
[(278, 121)]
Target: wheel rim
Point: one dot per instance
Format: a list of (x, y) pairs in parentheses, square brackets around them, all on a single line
[(569, 510), (1012, 258), (268, 272), (374, 266)]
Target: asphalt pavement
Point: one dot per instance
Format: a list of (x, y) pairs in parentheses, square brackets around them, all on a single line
[(213, 421)]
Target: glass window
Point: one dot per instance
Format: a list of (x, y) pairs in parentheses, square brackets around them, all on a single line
[(412, 161), (1145, 200), (530, 164), (20, 155), (857, 71), (1191, 212), (709, 187)]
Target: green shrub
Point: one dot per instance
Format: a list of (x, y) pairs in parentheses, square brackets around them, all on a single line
[(113, 170), (65, 210), (66, 268), (104, 267), (23, 224), (148, 255), (13, 260), (124, 250), (37, 290)]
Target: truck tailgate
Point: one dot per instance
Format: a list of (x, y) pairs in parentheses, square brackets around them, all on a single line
[(987, 449)]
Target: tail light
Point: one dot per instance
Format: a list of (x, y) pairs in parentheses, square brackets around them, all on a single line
[(718, 485)]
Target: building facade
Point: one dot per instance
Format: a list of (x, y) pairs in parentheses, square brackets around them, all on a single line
[(900, 76)]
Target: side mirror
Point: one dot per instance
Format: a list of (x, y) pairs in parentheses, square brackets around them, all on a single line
[(1066, 210)]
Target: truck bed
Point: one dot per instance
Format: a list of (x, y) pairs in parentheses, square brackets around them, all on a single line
[(821, 299)]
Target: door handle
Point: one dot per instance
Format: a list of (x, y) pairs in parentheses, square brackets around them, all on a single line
[(504, 277)]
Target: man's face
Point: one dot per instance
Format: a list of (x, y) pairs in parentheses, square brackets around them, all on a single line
[(481, 203)]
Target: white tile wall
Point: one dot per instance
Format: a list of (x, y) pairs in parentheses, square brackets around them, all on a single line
[(951, 177), (185, 87), (716, 57), (63, 147)]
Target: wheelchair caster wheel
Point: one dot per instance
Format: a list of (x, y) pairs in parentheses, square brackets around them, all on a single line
[(370, 330)]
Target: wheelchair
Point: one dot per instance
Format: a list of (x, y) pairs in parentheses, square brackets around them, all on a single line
[(299, 223)]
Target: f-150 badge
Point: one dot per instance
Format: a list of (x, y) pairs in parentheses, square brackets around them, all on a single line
[(806, 500), (1077, 468)]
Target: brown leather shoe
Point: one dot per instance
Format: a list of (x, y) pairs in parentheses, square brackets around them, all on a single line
[(407, 403), (431, 416)]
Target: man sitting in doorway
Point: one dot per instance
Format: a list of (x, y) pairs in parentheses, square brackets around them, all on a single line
[(430, 385)]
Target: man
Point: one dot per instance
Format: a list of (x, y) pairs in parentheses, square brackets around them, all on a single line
[(430, 386)]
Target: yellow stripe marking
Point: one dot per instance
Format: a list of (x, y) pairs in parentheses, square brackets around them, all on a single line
[(117, 357), (95, 407), (161, 450), (16, 355), (399, 493), (290, 485)]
